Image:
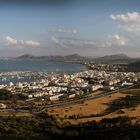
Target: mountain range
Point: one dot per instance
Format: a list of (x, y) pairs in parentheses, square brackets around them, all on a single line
[(116, 57), (113, 57), (72, 57)]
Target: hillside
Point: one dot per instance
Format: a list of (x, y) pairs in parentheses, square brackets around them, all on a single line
[(71, 57), (25, 56), (134, 66), (113, 57)]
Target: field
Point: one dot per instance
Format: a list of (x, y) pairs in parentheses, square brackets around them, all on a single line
[(92, 109)]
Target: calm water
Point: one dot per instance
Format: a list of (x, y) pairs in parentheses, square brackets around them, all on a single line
[(40, 65)]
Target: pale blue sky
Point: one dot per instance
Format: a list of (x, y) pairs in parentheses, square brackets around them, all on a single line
[(52, 25)]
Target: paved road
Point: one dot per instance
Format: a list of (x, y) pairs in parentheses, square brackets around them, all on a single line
[(67, 103), (73, 102)]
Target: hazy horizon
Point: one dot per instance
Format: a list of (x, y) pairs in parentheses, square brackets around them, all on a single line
[(63, 27), (92, 56)]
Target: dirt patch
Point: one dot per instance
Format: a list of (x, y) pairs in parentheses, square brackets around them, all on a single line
[(88, 108)]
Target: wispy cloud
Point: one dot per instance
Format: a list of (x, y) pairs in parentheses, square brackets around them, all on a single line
[(116, 40), (128, 17), (72, 42), (60, 30), (10, 41), (128, 30)]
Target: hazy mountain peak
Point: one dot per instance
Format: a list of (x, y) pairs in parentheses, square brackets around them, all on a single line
[(113, 57)]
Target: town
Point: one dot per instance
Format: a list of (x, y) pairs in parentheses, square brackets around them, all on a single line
[(54, 88)]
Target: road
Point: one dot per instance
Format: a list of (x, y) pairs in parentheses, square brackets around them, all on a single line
[(73, 102), (61, 104)]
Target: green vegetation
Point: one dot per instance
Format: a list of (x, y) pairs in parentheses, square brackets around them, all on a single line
[(7, 95), (129, 101), (4, 94), (44, 127), (26, 127)]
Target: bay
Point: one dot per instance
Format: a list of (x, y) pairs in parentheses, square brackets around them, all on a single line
[(40, 65)]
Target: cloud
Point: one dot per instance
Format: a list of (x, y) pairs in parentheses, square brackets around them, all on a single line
[(116, 40), (59, 30), (55, 40), (10, 41), (128, 17), (130, 28), (72, 42), (128, 34), (31, 43)]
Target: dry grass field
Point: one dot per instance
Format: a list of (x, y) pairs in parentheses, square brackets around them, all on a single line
[(93, 107)]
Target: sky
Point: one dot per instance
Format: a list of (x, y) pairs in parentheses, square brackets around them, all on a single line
[(61, 27)]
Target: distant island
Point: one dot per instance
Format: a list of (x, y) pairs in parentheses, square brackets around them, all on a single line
[(77, 56), (114, 57), (131, 62), (71, 57)]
